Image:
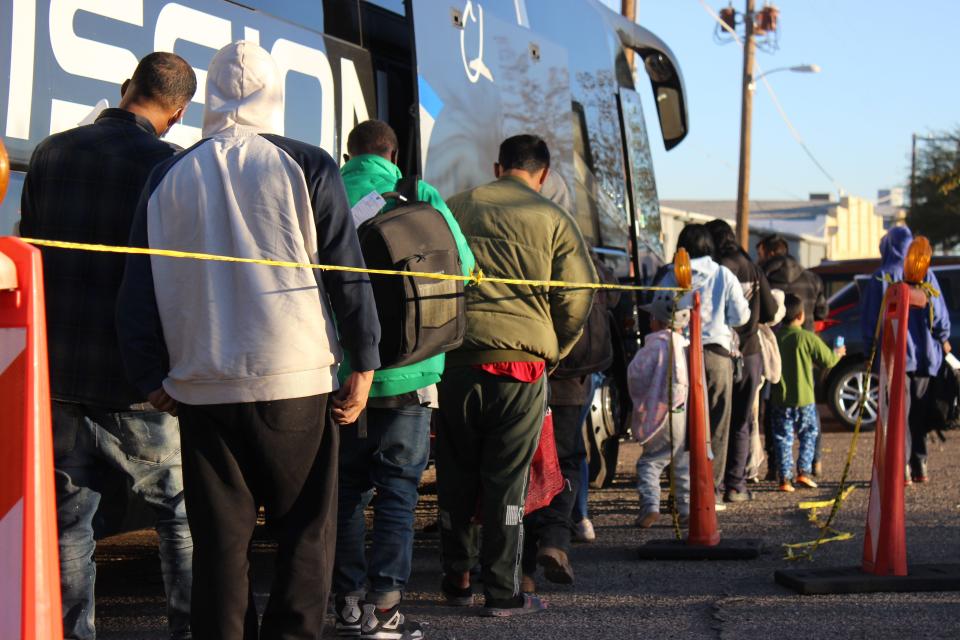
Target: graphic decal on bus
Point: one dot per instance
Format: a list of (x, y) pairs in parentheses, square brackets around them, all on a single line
[(62, 57)]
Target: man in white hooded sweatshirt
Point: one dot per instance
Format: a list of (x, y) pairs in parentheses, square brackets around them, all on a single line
[(248, 354)]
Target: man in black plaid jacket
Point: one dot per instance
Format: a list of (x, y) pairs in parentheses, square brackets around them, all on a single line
[(83, 185)]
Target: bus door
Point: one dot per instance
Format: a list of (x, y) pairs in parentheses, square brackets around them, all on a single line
[(482, 78), (642, 204)]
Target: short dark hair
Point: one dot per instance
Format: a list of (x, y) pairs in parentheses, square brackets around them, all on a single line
[(794, 307), (372, 137), (774, 244), (696, 240), (724, 239), (164, 78), (526, 152)]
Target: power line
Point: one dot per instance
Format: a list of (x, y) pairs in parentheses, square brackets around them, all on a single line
[(733, 169), (776, 101)]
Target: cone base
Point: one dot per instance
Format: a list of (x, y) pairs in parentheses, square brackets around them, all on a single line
[(726, 549), (921, 577)]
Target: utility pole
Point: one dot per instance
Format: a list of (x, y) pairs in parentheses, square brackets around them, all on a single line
[(746, 116), (628, 9)]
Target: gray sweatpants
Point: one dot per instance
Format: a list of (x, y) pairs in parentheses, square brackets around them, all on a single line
[(719, 373), (656, 457)]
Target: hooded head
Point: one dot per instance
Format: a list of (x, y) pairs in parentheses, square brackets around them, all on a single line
[(893, 247), (662, 308), (244, 92)]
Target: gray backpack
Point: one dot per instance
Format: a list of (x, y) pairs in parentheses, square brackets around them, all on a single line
[(419, 317)]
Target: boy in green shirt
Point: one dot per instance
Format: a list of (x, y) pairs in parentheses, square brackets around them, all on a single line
[(793, 405)]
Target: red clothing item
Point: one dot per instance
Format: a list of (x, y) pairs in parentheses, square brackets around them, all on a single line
[(519, 371)]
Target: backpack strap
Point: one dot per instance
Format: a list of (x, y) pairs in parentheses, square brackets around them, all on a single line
[(407, 189)]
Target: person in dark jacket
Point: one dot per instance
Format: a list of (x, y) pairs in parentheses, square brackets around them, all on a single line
[(763, 308), (547, 531), (83, 185), (927, 340), (785, 273)]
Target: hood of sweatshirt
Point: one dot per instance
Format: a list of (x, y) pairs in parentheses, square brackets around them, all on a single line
[(366, 173), (703, 270), (244, 92), (893, 248), (784, 269)]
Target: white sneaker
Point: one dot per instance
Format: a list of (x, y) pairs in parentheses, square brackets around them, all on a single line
[(349, 611), (720, 506), (583, 531)]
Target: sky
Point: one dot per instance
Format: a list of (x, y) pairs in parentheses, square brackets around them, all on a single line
[(889, 69)]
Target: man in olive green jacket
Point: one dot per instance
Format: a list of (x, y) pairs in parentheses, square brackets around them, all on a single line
[(493, 394)]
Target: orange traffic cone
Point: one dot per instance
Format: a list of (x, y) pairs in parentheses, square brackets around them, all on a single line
[(884, 566), (703, 540), (885, 542), (29, 564), (703, 503)]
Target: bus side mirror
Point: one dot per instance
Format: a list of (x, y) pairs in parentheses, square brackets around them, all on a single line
[(668, 90)]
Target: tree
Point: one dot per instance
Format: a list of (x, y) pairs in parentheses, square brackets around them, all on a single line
[(935, 191)]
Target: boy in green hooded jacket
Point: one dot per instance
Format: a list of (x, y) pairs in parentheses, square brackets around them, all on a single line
[(391, 456)]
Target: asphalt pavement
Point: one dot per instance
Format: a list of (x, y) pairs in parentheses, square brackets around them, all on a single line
[(618, 596)]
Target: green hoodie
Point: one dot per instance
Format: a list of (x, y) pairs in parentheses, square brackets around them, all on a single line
[(367, 173)]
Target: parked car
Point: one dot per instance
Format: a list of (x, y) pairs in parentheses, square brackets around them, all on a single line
[(843, 385), (837, 274)]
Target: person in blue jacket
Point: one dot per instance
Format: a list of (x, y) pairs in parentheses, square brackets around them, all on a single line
[(927, 341)]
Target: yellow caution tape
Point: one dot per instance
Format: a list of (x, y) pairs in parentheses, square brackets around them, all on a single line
[(820, 504), (810, 545), (825, 529), (842, 489), (477, 277)]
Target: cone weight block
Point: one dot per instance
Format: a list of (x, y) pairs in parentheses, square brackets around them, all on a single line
[(920, 577)]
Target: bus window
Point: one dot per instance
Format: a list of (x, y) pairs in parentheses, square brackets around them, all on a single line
[(642, 186), (584, 183), (397, 6), (303, 14)]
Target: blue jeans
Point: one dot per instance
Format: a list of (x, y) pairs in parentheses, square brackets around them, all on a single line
[(580, 507), (388, 461), (807, 424), (91, 448)]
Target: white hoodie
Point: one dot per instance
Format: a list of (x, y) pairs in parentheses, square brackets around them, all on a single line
[(243, 332), (722, 303)]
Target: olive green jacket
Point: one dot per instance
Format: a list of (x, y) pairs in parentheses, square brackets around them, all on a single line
[(515, 232)]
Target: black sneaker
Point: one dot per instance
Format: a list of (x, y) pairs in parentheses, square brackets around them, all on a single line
[(387, 624), (732, 495), (518, 606), (454, 595), (349, 613)]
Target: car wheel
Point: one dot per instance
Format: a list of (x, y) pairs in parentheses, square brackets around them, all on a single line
[(602, 434), (847, 385)]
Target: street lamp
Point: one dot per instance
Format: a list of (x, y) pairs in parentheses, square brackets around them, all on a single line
[(746, 116), (800, 68)]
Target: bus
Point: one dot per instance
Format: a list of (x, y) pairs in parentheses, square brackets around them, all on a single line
[(453, 78)]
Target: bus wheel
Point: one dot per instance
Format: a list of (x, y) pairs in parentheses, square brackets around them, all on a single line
[(601, 436)]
